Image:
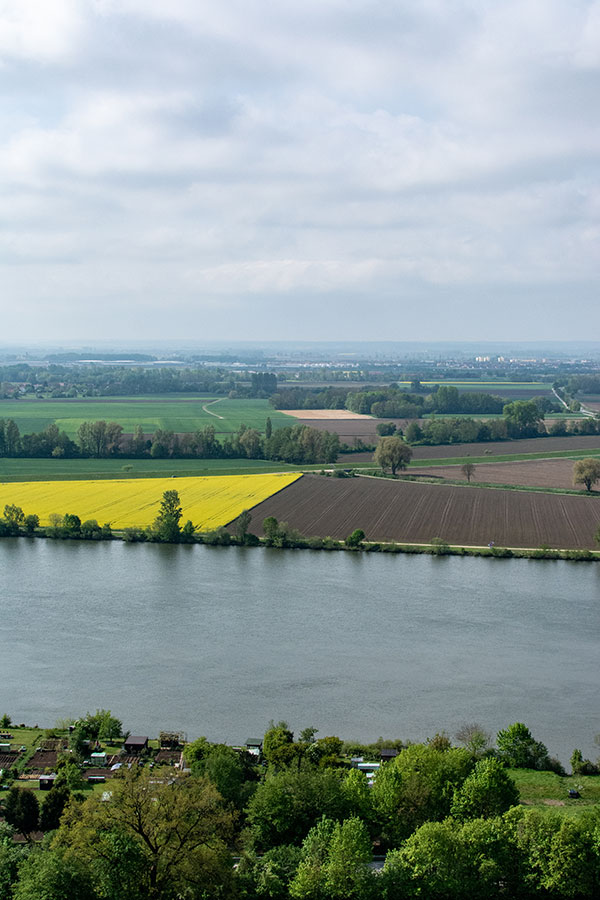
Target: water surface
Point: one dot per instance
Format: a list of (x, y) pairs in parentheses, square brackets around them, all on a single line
[(218, 641)]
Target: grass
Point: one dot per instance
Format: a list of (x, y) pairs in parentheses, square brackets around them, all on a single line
[(509, 457), (81, 469), (173, 415), (537, 788)]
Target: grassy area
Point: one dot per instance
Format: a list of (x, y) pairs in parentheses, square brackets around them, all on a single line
[(546, 790), (78, 469), (496, 458), (174, 415)]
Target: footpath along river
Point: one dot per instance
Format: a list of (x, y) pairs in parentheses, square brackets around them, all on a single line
[(218, 641)]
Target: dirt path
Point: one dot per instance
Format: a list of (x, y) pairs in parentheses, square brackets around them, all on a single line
[(209, 411)]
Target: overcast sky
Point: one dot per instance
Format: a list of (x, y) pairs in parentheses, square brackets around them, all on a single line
[(311, 169)]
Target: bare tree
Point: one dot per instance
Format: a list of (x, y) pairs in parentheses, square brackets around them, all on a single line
[(468, 470)]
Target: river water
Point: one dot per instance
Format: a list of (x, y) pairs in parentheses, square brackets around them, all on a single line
[(218, 641)]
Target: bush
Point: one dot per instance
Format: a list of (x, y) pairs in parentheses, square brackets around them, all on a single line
[(439, 547)]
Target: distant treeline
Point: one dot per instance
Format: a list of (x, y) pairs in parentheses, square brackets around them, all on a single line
[(297, 444), (394, 403), (66, 382)]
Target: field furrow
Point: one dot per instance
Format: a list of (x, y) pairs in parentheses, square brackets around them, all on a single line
[(208, 502), (414, 513)]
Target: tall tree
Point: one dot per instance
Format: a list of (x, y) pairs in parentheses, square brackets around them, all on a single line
[(178, 825), (586, 471), (166, 525), (392, 453)]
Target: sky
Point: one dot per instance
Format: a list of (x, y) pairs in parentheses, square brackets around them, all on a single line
[(315, 170)]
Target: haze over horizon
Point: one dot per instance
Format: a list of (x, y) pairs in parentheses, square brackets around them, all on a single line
[(333, 170)]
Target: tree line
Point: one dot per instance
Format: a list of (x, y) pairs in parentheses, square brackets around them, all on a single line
[(394, 402), (297, 444), (302, 821), (68, 382)]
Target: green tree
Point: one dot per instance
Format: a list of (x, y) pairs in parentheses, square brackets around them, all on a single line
[(268, 428), (334, 863), (270, 530), (32, 521), (232, 773), (450, 861), (288, 803), (279, 749), (21, 810), (518, 749), (523, 418), (355, 539), (14, 518), (417, 786), (392, 453), (166, 525), (103, 725), (53, 807), (585, 471), (49, 875), (243, 524), (488, 791), (71, 525), (178, 825)]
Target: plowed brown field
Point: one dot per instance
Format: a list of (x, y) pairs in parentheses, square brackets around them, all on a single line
[(491, 448), (414, 513), (556, 473)]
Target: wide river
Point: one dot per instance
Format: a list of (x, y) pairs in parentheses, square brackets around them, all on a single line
[(218, 641)]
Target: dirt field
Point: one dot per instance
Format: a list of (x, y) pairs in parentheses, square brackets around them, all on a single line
[(411, 512), (497, 448), (348, 429), (556, 473), (493, 448), (310, 415)]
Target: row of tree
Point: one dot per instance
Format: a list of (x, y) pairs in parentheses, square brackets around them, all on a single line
[(294, 443)]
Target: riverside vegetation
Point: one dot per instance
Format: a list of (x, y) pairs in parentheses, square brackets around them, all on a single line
[(298, 818)]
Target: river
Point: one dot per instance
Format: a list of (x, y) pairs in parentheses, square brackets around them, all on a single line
[(218, 641)]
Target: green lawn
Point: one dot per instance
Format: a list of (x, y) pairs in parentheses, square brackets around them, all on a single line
[(545, 790), (174, 415), (74, 469)]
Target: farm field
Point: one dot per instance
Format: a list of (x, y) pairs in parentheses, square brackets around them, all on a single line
[(310, 415), (178, 415), (549, 473), (76, 469), (539, 446), (527, 445), (410, 512), (208, 502)]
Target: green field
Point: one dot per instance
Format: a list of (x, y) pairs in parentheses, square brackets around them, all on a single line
[(76, 469), (170, 414), (548, 791)]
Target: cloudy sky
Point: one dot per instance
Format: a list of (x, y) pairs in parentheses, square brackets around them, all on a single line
[(324, 169)]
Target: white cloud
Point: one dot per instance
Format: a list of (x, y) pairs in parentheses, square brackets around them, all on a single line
[(243, 153), (39, 30)]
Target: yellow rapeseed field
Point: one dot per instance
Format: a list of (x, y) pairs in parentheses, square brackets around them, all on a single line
[(134, 502)]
